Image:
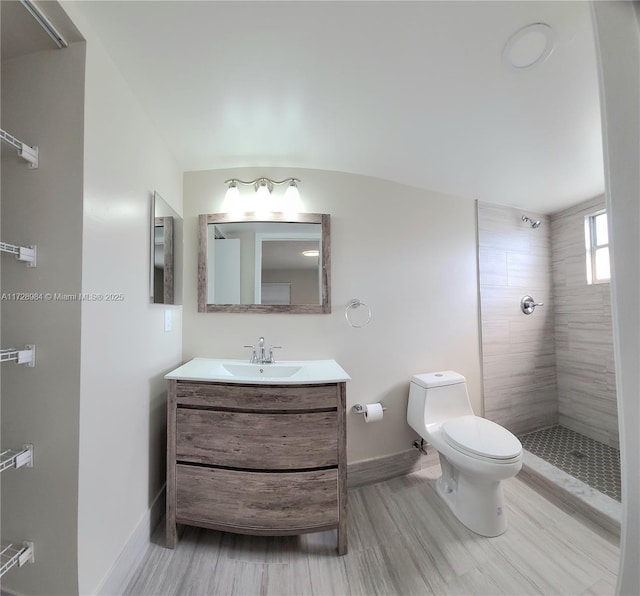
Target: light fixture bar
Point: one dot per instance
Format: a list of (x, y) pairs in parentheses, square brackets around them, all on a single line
[(45, 23), (269, 181), (262, 199)]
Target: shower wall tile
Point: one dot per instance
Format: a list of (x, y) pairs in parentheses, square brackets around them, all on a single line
[(518, 350), (495, 337), (583, 332), (494, 272), (529, 270)]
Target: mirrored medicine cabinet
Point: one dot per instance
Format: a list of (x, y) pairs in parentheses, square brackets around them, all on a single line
[(268, 263), (165, 283)]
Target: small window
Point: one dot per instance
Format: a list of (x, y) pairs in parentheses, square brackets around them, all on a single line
[(597, 243)]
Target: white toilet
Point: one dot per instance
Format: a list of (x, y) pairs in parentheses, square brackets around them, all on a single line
[(476, 454)]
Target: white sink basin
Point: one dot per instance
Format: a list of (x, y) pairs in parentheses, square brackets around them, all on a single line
[(260, 370), (291, 372)]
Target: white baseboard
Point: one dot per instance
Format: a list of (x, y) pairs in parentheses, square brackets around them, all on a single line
[(131, 556)]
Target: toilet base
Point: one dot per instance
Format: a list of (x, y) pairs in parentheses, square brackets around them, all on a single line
[(476, 501)]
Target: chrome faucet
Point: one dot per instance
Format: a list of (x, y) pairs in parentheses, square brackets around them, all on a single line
[(259, 354)]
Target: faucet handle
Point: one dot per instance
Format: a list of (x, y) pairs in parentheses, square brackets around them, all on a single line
[(272, 359), (254, 354)]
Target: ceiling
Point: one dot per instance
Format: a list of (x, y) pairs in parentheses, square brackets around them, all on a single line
[(414, 92)]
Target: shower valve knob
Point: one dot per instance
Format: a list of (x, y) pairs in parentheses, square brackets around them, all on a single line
[(528, 305)]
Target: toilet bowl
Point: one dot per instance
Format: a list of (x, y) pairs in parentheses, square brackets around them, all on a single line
[(476, 455)]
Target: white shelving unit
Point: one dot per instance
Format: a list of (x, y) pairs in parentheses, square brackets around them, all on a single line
[(17, 555), (28, 153), (22, 253), (12, 555), (16, 458), (25, 356)]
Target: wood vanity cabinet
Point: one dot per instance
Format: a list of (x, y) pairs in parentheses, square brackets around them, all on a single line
[(256, 459)]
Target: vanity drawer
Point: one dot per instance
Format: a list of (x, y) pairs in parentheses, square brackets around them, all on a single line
[(257, 397), (259, 501), (259, 441)]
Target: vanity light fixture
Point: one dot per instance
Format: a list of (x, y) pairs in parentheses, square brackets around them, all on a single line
[(262, 183), (263, 188)]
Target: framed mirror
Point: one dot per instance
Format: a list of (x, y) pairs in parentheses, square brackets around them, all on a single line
[(276, 262), (166, 242)]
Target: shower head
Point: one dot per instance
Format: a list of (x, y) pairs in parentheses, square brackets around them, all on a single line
[(535, 223)]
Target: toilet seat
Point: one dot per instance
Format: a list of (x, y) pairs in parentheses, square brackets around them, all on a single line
[(481, 438)]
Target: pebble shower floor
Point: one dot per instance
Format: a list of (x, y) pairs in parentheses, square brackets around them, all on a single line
[(595, 463)]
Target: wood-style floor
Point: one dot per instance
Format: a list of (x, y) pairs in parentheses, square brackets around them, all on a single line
[(402, 540)]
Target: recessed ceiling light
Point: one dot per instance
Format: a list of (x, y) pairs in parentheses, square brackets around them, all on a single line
[(529, 46), (311, 253)]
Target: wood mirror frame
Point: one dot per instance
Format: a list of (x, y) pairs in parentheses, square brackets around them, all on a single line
[(325, 264)]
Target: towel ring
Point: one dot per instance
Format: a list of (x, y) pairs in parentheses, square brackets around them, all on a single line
[(355, 303)]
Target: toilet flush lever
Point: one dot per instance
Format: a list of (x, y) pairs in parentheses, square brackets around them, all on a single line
[(528, 305)]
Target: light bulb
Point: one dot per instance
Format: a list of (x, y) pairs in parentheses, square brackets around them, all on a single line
[(292, 202), (262, 192), (231, 201), (262, 197)]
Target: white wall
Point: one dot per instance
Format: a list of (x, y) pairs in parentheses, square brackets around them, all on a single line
[(617, 41), (408, 253), (125, 351)]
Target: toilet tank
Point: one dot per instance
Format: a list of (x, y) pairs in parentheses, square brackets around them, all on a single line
[(436, 397)]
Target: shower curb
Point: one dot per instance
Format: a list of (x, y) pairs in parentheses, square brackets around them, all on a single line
[(565, 490)]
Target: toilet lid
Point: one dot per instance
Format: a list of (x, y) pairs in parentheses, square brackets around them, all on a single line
[(480, 436)]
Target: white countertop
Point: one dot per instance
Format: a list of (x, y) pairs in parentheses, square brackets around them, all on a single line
[(287, 372)]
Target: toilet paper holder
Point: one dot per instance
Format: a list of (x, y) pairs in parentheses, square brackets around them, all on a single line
[(360, 409)]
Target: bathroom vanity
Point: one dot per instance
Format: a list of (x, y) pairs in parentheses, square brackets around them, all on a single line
[(259, 450)]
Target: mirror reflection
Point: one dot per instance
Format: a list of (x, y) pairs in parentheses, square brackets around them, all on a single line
[(166, 240), (264, 263), (266, 266), (163, 260)]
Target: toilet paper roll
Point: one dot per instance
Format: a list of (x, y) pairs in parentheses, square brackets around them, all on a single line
[(373, 413)]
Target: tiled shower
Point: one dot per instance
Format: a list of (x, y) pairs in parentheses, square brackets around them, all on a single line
[(584, 332), (519, 355), (556, 365)]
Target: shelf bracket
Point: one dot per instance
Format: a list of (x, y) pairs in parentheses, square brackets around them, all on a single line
[(27, 254), (12, 555), (26, 356), (29, 154), (17, 458)]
